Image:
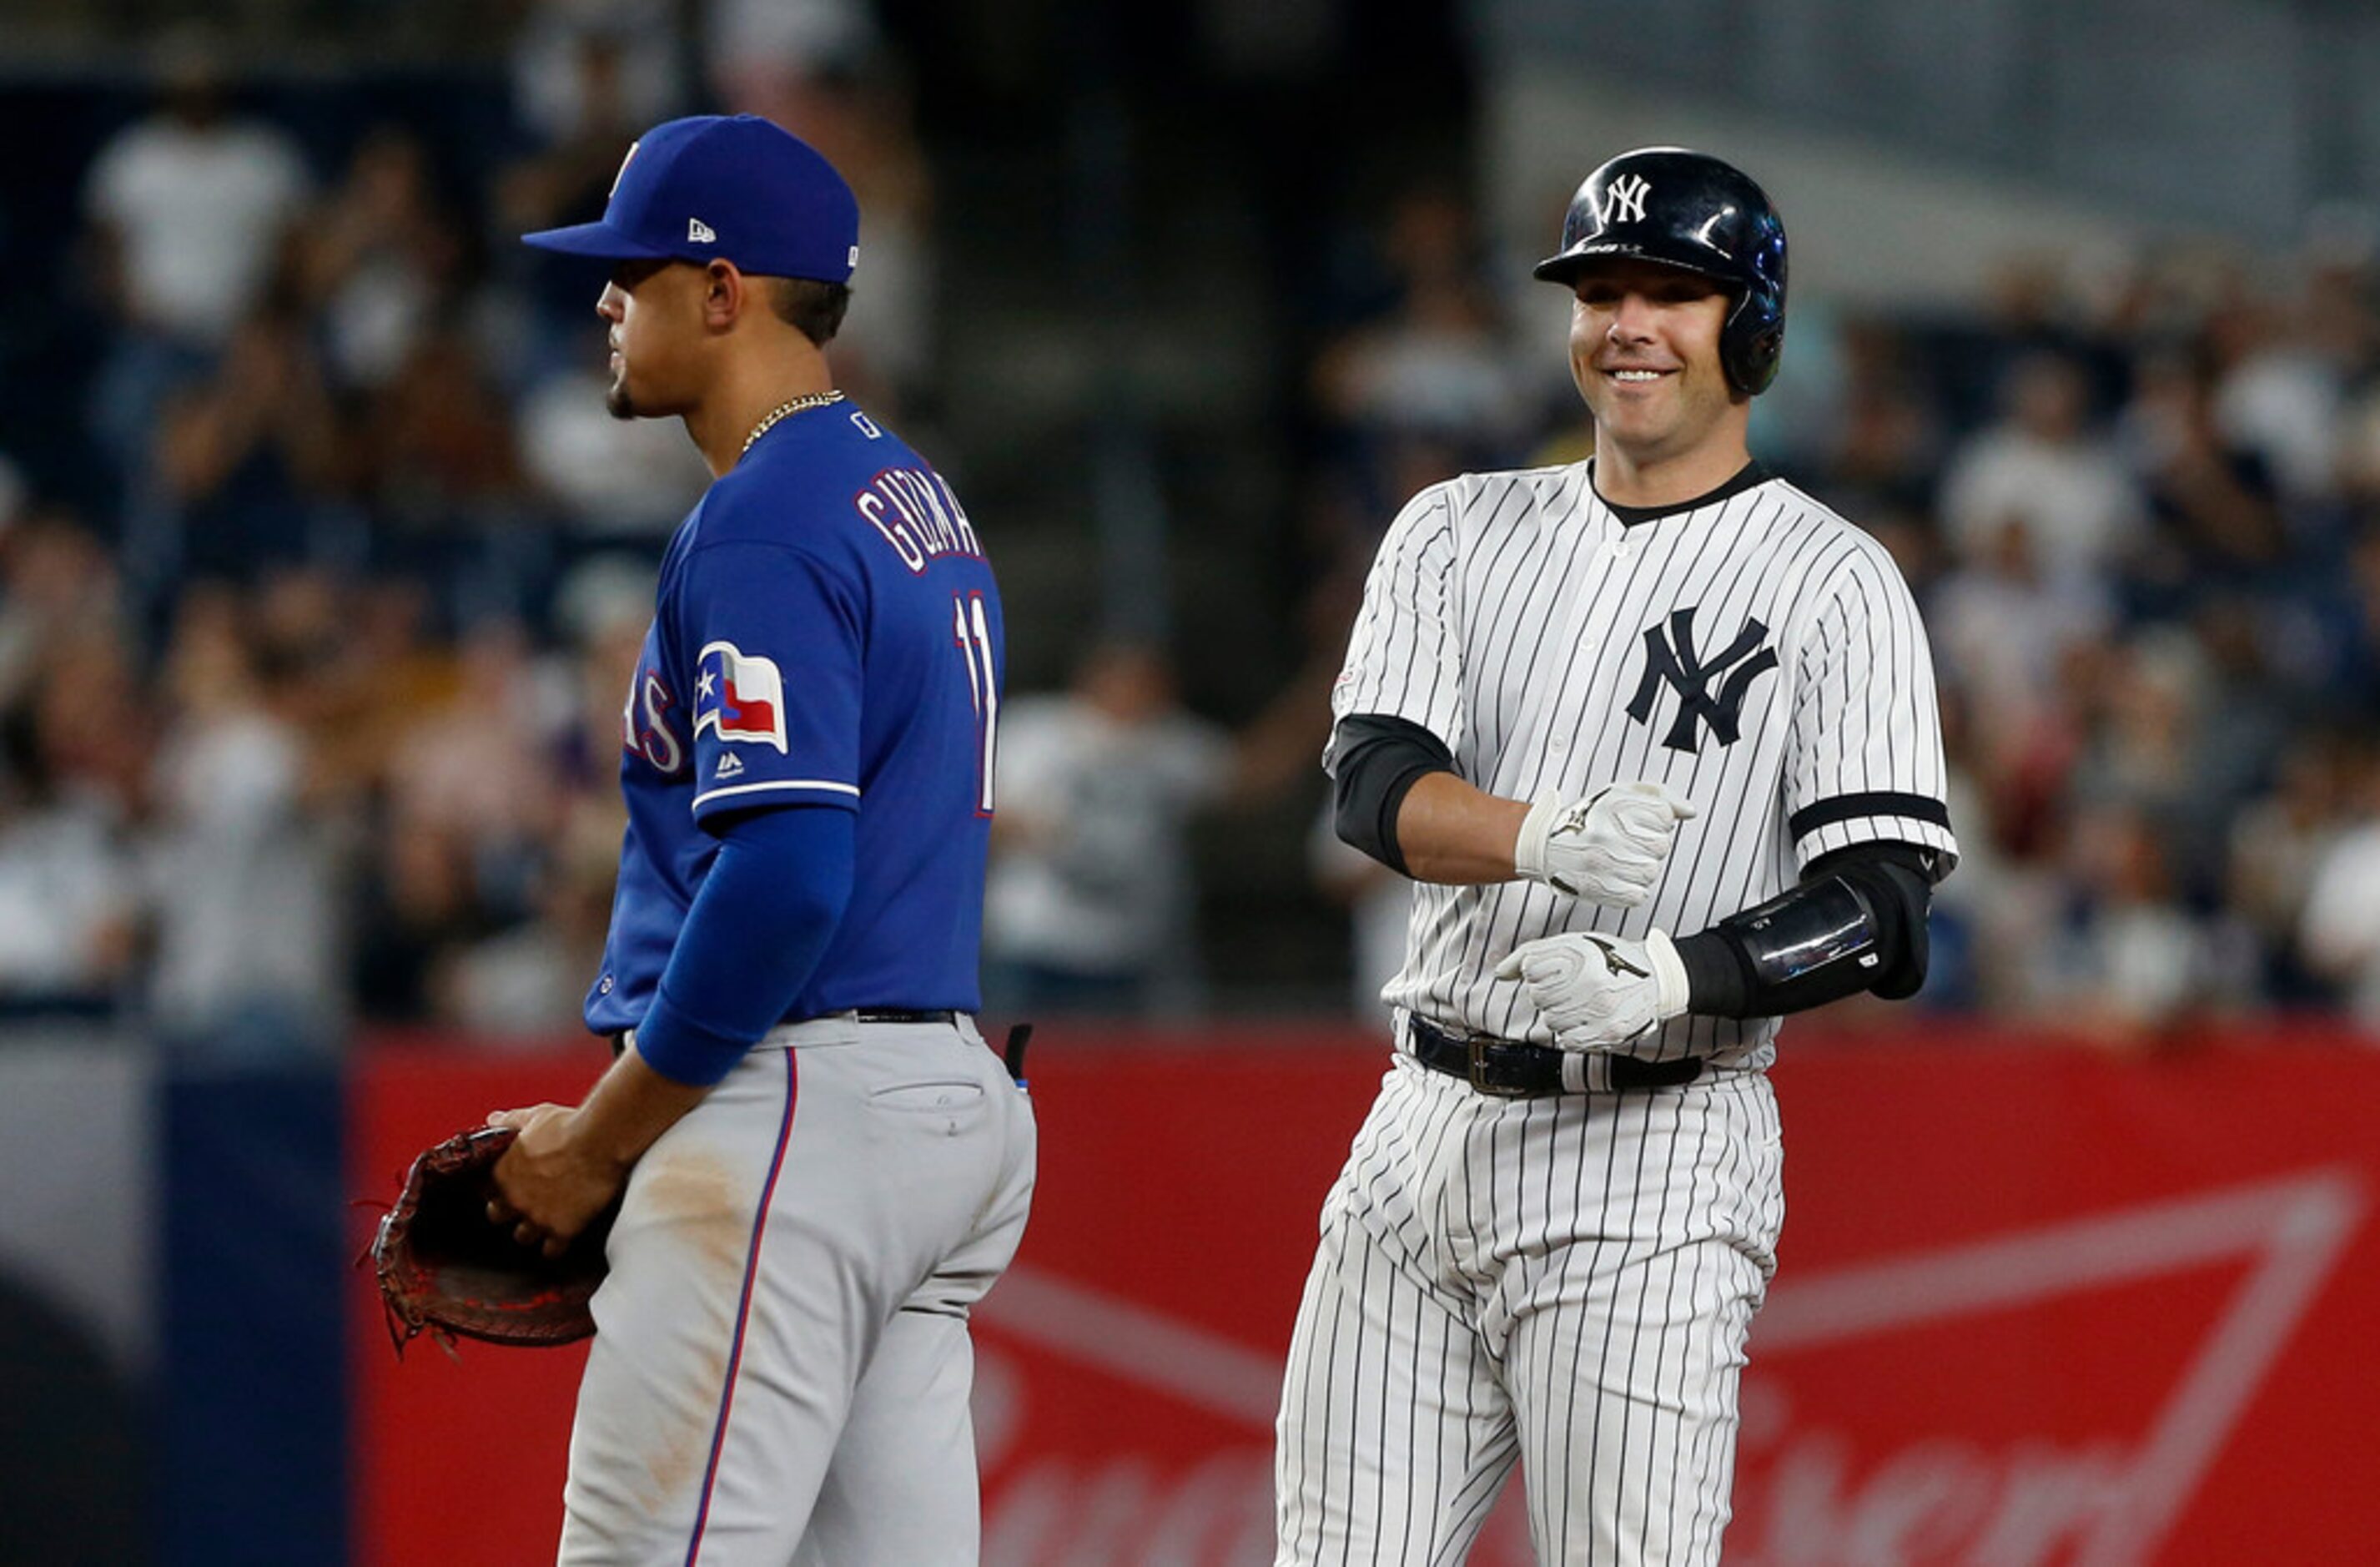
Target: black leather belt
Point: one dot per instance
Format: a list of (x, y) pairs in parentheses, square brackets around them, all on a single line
[(1509, 1069), (862, 1014)]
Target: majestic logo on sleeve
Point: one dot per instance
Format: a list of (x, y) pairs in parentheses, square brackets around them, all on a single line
[(1670, 657), (739, 697)]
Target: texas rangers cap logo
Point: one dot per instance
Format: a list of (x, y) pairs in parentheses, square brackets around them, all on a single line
[(739, 697)]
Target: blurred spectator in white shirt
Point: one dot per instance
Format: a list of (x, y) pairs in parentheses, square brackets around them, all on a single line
[(2041, 468), (2128, 965), (1438, 361), (2006, 633), (192, 205), (189, 209), (1088, 903), (68, 910), (242, 872), (2282, 393)]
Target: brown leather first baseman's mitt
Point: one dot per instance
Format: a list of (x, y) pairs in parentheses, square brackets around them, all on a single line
[(446, 1268)]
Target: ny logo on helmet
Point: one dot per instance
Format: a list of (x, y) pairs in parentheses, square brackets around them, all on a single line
[(1671, 658), (1624, 200)]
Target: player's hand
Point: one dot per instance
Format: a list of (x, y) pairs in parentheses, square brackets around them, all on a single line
[(548, 1186), (1607, 848), (1598, 992)]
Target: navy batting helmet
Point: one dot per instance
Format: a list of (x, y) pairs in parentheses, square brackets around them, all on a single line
[(1688, 210)]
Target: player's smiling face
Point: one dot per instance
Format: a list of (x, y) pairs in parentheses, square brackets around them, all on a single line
[(1644, 349), (652, 310)]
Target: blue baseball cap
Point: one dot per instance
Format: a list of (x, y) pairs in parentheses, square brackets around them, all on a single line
[(723, 186)]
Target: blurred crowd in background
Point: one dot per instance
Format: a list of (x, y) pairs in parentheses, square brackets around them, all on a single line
[(308, 717)]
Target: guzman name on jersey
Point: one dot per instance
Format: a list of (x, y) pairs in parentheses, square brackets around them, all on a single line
[(917, 515)]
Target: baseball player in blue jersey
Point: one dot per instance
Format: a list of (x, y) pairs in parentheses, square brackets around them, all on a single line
[(820, 1165)]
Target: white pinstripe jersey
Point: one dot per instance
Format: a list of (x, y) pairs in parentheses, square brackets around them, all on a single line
[(1751, 651)]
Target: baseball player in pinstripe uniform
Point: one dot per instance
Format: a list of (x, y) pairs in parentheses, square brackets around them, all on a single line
[(1655, 738)]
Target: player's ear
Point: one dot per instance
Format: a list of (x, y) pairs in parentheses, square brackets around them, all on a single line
[(726, 293)]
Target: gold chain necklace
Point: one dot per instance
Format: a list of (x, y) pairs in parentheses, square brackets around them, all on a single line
[(786, 409)]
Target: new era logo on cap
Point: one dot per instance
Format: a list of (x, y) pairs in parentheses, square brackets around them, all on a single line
[(699, 233)]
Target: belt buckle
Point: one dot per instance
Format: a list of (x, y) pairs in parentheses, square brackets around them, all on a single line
[(1476, 1049)]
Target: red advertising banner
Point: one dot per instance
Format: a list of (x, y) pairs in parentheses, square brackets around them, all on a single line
[(2038, 1305), (2035, 1305)]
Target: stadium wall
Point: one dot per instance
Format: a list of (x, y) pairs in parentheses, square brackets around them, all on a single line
[(2036, 1305)]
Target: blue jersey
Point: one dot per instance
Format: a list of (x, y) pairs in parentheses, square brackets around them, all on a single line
[(827, 635)]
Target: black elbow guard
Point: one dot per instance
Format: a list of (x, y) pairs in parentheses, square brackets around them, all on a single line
[(1374, 762), (1857, 924), (1903, 897)]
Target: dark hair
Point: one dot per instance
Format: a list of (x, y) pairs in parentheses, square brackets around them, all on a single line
[(815, 308)]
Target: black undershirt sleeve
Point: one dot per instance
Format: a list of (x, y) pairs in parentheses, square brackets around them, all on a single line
[(1374, 762), (1874, 898)]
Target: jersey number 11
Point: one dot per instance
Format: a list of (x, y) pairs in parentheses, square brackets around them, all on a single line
[(974, 636)]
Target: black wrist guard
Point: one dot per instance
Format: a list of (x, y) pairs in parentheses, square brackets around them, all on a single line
[(1856, 923)]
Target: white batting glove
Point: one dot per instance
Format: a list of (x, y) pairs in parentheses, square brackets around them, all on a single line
[(1598, 992), (1607, 848)]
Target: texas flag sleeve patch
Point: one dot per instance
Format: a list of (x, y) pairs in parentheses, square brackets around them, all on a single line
[(739, 696), (779, 724)]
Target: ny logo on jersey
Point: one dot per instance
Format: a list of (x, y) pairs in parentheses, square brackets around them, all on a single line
[(1623, 199), (1671, 656)]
